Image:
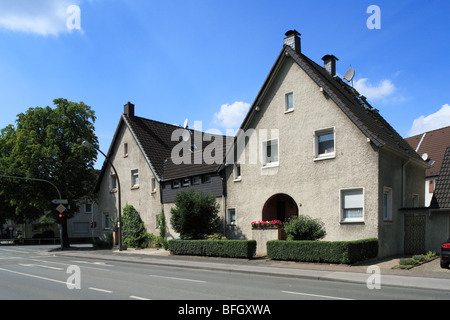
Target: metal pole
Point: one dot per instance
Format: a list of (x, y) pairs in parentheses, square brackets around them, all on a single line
[(119, 226)]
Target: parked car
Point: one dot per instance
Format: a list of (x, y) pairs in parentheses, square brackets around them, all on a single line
[(445, 254)]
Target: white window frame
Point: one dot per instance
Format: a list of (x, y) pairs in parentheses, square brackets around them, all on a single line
[(176, 184), (387, 204), (186, 182), (196, 180), (237, 172), (153, 185), (317, 135), (106, 221), (343, 219), (86, 207), (287, 107), (267, 161), (230, 221), (112, 182), (135, 178), (125, 150)]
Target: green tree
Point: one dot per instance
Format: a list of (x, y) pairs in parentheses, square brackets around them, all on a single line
[(195, 215), (133, 230), (46, 144)]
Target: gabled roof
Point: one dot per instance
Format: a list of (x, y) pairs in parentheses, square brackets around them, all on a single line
[(434, 143), (441, 196), (155, 142), (353, 104)]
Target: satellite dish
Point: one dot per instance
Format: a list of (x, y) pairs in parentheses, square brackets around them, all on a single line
[(186, 135), (425, 156), (185, 125), (349, 74)]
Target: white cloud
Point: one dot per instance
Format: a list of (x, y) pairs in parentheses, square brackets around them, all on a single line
[(439, 119), (231, 116), (380, 91), (43, 17)]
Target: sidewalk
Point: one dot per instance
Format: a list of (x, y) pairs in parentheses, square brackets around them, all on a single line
[(418, 277)]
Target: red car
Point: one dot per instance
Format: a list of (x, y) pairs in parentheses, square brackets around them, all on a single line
[(445, 254)]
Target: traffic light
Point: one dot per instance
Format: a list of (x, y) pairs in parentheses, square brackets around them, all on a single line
[(61, 217)]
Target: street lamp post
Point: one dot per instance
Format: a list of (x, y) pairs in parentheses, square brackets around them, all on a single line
[(119, 225)]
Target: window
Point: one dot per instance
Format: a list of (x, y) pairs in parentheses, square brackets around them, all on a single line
[(125, 150), (175, 184), (106, 221), (153, 185), (231, 219), (324, 144), (270, 153), (113, 182), (289, 103), (135, 178), (237, 172), (431, 186), (352, 205), (196, 180), (207, 178), (387, 204), (88, 208), (186, 182)]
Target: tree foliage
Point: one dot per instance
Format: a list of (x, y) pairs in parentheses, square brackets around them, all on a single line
[(304, 228), (195, 215), (133, 230), (45, 144)]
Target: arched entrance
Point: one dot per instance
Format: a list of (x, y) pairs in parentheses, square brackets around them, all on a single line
[(279, 207)]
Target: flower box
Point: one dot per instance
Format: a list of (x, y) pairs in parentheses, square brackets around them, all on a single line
[(266, 224)]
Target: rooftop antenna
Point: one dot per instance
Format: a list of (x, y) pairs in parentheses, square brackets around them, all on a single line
[(349, 75)]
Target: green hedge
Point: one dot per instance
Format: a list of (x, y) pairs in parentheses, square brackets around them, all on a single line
[(345, 252), (217, 248)]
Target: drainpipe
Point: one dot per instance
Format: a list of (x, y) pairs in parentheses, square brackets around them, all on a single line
[(404, 181)]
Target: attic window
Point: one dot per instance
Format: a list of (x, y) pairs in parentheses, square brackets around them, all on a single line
[(324, 142), (125, 150), (289, 103)]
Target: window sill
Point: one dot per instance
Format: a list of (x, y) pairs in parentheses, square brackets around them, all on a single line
[(325, 157), (350, 221), (237, 180), (271, 165), (289, 111), (153, 191), (113, 191), (134, 188), (125, 155)]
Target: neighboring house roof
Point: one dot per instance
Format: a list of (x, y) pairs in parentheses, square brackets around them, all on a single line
[(433, 143), (155, 142), (441, 196), (354, 105)]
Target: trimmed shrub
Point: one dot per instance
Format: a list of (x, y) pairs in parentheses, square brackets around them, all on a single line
[(218, 248), (345, 252), (304, 228), (133, 230)]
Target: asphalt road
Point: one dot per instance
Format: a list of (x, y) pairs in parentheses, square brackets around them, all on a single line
[(31, 272)]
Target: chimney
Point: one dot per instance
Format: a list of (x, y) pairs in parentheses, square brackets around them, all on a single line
[(330, 64), (293, 40), (129, 109)]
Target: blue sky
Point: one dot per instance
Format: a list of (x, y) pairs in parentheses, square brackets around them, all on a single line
[(206, 60)]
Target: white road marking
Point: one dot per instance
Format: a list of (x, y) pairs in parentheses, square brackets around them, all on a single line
[(181, 279), (33, 276), (95, 263), (40, 266), (315, 295), (101, 290), (139, 298)]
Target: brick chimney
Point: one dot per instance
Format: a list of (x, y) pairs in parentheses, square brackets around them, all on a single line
[(293, 40), (330, 64), (129, 109)]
